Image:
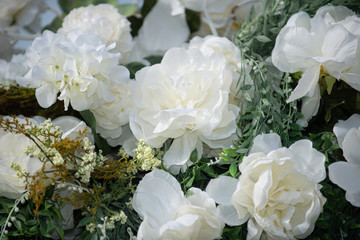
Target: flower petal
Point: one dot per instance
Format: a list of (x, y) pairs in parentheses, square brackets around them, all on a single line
[(157, 196), (351, 145), (254, 231), (265, 143), (342, 127), (345, 175), (161, 30), (309, 161), (307, 83), (178, 155), (221, 189)]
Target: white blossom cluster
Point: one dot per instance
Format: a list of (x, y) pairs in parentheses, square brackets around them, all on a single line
[(89, 161), (145, 157)]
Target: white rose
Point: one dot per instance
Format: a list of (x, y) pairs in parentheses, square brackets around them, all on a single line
[(185, 97), (79, 67), (168, 214), (105, 21), (277, 190), (111, 117), (347, 174), (328, 43)]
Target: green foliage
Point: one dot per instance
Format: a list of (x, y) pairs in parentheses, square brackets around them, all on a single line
[(26, 225)]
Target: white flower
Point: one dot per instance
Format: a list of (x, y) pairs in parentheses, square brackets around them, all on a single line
[(79, 67), (10, 71), (277, 190), (105, 21), (12, 150), (347, 174), (112, 116), (21, 13), (160, 31), (168, 214), (185, 97), (70, 126), (327, 43), (231, 52)]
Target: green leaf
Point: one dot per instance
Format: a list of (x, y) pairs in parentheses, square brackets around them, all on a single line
[(233, 169), (85, 221), (190, 182), (225, 157), (246, 87), (154, 59), (18, 226), (134, 67), (329, 81), (194, 156), (60, 231), (262, 38)]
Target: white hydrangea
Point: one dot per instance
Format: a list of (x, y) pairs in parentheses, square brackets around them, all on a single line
[(112, 116), (186, 98), (79, 67), (105, 21)]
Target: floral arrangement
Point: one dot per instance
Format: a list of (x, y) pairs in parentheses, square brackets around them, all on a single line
[(183, 119)]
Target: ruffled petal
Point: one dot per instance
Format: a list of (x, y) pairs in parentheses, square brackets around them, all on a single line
[(342, 127), (178, 155), (157, 197), (309, 161), (307, 83), (345, 175), (221, 189), (161, 30), (351, 145), (265, 143)]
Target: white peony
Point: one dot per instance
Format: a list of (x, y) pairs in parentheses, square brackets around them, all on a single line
[(278, 190), (328, 43), (168, 214), (185, 98), (112, 116), (105, 21), (347, 174), (231, 52), (79, 67)]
